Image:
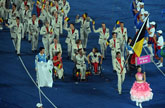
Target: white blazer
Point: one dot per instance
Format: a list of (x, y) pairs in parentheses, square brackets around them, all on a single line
[(85, 24), (45, 33), (54, 50), (19, 30), (117, 45), (120, 34), (71, 38), (117, 66), (103, 37), (33, 28)]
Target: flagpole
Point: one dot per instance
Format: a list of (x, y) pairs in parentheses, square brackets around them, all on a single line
[(39, 91), (136, 40)]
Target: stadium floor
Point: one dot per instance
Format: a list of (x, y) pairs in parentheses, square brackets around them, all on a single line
[(18, 91)]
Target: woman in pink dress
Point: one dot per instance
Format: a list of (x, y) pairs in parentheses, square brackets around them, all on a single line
[(141, 91)]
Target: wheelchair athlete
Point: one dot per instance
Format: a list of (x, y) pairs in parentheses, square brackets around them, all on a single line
[(58, 66), (95, 56), (80, 64)]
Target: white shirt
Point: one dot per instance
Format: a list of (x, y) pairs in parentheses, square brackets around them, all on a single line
[(152, 30), (95, 57), (160, 41)]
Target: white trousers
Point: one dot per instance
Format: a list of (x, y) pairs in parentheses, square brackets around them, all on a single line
[(121, 78), (84, 37), (103, 48), (82, 70), (34, 41), (60, 72)]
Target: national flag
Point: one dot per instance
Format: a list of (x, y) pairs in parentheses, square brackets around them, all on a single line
[(1, 20), (138, 40), (93, 22), (117, 22), (66, 19)]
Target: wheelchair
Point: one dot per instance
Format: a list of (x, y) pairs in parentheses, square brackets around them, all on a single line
[(77, 74), (55, 74), (99, 70)]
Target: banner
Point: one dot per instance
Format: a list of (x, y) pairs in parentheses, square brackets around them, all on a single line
[(45, 74), (143, 60)]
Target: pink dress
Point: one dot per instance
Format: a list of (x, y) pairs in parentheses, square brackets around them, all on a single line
[(141, 91)]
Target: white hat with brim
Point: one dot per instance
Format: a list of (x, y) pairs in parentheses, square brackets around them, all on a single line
[(39, 105), (160, 31), (152, 23), (145, 12), (141, 3)]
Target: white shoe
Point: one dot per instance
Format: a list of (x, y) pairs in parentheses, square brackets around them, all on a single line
[(140, 105), (137, 104), (160, 65)]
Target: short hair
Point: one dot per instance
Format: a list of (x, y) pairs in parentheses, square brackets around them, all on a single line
[(121, 22), (114, 33), (57, 53), (72, 24), (77, 41), (117, 53), (14, 5), (17, 17), (96, 50), (41, 48)]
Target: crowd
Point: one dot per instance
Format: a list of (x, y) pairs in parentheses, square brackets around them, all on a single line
[(52, 18)]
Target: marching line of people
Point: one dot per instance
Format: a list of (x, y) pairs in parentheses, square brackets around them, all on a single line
[(53, 14)]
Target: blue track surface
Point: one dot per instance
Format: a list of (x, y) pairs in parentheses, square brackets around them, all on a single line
[(18, 91)]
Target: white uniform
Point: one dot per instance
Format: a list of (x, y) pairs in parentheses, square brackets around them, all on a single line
[(18, 32), (47, 38), (122, 36), (95, 57), (160, 41), (23, 5), (120, 73), (115, 47), (84, 30), (102, 39), (54, 49), (60, 16), (80, 64), (44, 16), (71, 39), (65, 7), (55, 23), (2, 11), (26, 15), (75, 49), (33, 29), (151, 36)]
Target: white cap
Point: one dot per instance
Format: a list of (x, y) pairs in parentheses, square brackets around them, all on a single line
[(39, 105), (153, 23), (145, 12), (141, 3), (160, 31)]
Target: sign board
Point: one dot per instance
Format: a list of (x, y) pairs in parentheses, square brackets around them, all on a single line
[(143, 60)]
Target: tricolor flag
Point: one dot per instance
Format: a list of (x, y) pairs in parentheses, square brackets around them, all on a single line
[(117, 22), (137, 42), (1, 20), (66, 19)]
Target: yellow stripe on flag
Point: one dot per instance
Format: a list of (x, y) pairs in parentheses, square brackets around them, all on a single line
[(138, 47)]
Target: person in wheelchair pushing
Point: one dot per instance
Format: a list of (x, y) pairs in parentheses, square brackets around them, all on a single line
[(95, 56), (58, 65)]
